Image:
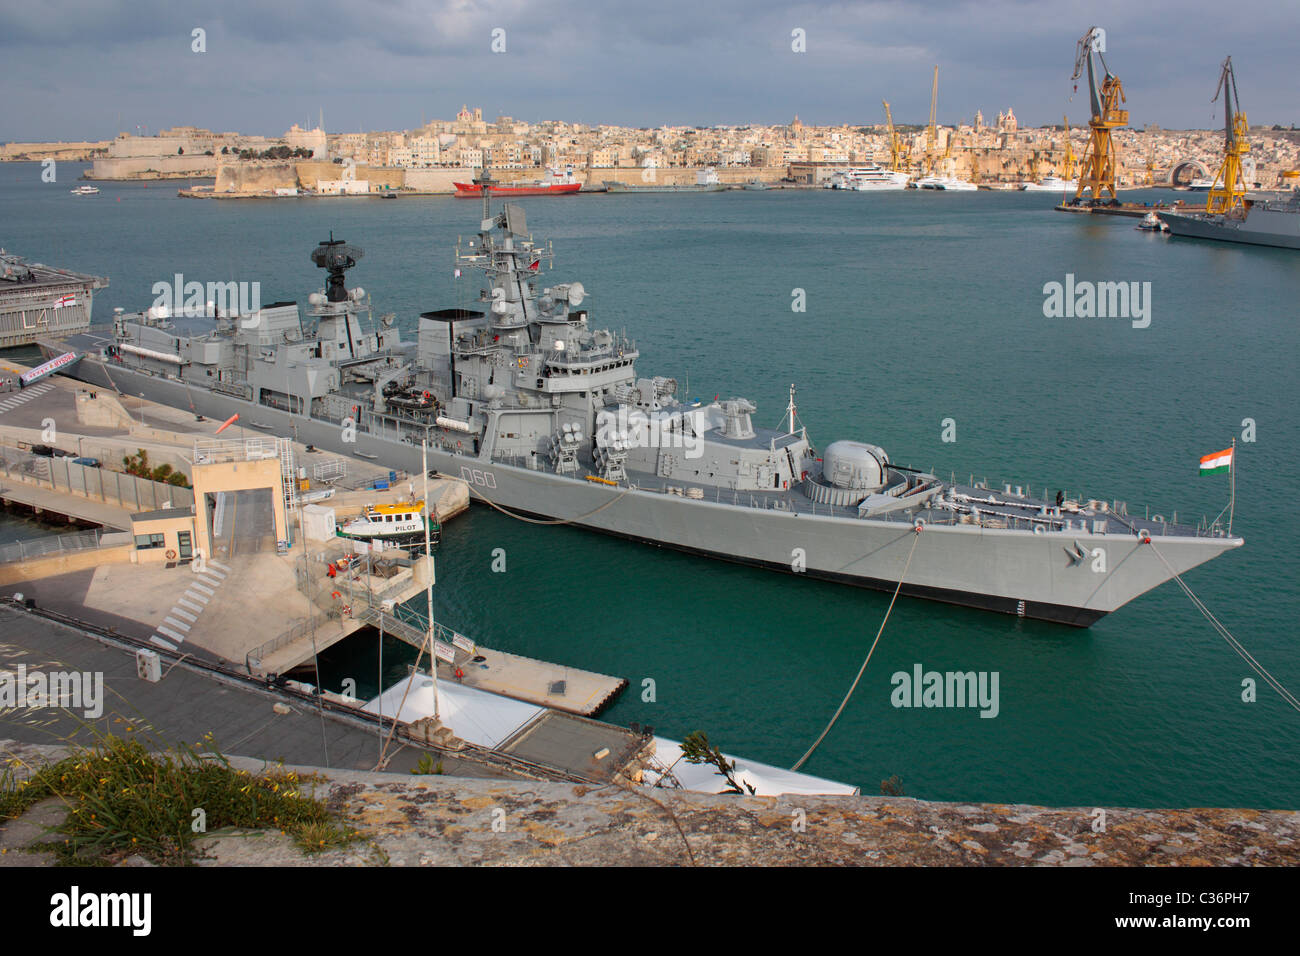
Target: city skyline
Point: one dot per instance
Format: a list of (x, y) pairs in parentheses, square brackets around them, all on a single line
[(130, 67)]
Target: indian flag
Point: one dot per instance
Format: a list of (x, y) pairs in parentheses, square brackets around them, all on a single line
[(1217, 463)]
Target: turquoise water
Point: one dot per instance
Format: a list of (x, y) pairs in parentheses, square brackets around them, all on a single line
[(920, 307)]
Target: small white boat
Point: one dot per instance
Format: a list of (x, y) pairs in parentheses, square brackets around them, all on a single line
[(397, 523), (84, 190), (1153, 223)]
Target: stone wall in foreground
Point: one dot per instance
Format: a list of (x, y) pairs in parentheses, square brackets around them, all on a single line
[(439, 820)]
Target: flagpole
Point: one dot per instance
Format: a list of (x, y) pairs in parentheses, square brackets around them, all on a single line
[(1232, 474)]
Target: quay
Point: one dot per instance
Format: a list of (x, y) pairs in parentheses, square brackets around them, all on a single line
[(1131, 209), (196, 700), (233, 603)]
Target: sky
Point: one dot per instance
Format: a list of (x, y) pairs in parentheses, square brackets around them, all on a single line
[(84, 70)]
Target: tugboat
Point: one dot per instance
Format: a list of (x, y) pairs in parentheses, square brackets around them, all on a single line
[(1153, 223), (543, 413)]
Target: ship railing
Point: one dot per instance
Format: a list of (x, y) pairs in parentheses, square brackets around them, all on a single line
[(1111, 522)]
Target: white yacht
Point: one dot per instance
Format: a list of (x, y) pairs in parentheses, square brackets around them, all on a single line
[(879, 179), (945, 183), (1052, 184), (84, 190), (866, 179)]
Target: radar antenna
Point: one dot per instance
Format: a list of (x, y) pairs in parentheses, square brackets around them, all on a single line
[(335, 256)]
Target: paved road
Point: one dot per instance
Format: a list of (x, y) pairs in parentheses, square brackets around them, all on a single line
[(183, 707)]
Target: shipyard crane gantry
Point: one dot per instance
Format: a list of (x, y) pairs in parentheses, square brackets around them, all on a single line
[(1097, 173), (1229, 190)]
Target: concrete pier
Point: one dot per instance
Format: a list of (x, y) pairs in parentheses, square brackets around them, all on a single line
[(553, 686)]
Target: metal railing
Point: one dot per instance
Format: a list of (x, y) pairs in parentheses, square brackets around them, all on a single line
[(62, 474), (36, 547), (300, 630)]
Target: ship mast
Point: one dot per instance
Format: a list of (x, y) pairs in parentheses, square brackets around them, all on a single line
[(791, 408)]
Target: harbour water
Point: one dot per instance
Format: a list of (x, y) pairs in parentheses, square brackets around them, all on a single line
[(920, 307)]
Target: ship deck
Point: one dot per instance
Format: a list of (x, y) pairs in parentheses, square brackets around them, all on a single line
[(997, 510)]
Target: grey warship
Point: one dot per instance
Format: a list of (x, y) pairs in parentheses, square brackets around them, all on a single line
[(1229, 216), (542, 413)]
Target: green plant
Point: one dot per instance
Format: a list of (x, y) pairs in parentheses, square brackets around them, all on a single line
[(138, 465), (427, 766), (122, 798), (696, 749), (893, 787)]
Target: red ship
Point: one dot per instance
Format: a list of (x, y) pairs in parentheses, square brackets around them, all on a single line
[(560, 184)]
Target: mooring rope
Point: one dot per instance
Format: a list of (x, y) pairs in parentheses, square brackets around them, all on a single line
[(916, 536), (1223, 632), (545, 521)]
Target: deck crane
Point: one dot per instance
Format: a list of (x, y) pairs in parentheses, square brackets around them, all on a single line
[(1099, 159), (1229, 189)]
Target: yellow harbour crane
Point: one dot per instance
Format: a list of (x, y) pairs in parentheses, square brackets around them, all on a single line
[(1229, 190), (932, 134), (897, 154), (1097, 174), (1069, 151)]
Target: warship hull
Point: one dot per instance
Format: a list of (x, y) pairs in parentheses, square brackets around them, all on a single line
[(1261, 227), (988, 568)]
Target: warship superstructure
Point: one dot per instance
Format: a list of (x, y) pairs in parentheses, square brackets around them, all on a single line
[(542, 413)]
